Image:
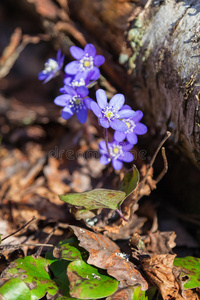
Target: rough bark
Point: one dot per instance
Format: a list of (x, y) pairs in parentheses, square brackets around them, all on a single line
[(167, 73)]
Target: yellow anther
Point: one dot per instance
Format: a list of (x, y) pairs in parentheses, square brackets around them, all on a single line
[(128, 124), (115, 150), (86, 63), (78, 101), (109, 114)]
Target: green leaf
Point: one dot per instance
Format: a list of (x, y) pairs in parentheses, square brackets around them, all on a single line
[(98, 198), (34, 273), (87, 283), (138, 294), (59, 269), (67, 249), (13, 289), (190, 271), (130, 181), (67, 252)]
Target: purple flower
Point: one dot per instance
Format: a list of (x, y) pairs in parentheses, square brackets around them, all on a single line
[(86, 61), (118, 153), (79, 80), (74, 100), (51, 67), (134, 128), (110, 114)]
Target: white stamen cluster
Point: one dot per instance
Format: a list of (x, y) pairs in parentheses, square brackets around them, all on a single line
[(116, 151), (50, 66), (77, 83), (130, 124), (76, 103), (110, 113), (87, 62)]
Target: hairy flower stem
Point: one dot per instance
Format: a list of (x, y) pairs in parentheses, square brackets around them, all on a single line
[(106, 139), (121, 214)]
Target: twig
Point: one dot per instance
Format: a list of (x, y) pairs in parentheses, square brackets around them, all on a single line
[(164, 171), (141, 184), (154, 157), (33, 219), (168, 134), (8, 246), (46, 241)]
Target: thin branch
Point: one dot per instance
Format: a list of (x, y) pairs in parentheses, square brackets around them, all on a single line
[(33, 219), (8, 246), (164, 171), (168, 134), (154, 157)]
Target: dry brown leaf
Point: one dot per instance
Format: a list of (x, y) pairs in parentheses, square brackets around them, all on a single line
[(55, 175), (159, 269), (149, 184), (125, 232), (105, 254), (123, 294), (159, 242), (191, 295)]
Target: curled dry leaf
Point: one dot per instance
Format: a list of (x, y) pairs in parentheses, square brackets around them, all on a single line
[(191, 295), (159, 242), (150, 184), (105, 254), (159, 269), (125, 232)]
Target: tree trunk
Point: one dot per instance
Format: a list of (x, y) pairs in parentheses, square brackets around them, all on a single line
[(167, 74)]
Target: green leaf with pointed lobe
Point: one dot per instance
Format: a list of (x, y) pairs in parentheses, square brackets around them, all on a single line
[(130, 181), (95, 199)]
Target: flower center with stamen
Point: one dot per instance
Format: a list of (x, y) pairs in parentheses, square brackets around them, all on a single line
[(50, 65), (76, 103), (130, 124), (116, 151), (86, 63), (109, 114)]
